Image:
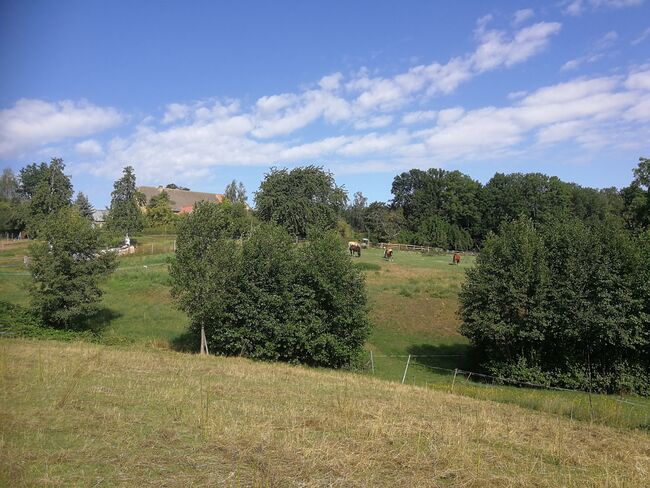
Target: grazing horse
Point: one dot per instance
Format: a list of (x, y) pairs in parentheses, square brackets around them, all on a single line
[(456, 258), (388, 254), (354, 247)]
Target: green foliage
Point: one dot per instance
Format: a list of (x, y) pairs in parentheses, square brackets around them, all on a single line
[(66, 266), (125, 215), (266, 297), (17, 321), (440, 207), (48, 190), (382, 224), (300, 200), (84, 206), (567, 301), (159, 210), (236, 193), (8, 186), (637, 197)]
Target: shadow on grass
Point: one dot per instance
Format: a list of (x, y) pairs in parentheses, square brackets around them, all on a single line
[(188, 341), (447, 356), (98, 322)]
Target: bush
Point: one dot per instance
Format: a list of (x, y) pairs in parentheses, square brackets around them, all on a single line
[(565, 302), (66, 267), (268, 298)]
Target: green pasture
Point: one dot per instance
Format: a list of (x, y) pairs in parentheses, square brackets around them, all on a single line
[(412, 305)]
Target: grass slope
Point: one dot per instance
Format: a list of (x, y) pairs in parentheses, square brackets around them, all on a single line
[(413, 304), (88, 415)]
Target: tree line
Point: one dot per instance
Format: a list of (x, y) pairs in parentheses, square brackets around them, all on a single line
[(450, 210)]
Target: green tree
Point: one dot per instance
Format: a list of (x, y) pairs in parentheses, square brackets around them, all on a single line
[(84, 206), (30, 177), (66, 267), (125, 214), (562, 302), (8, 186), (299, 200), (50, 190), (356, 212), (235, 192), (266, 297), (159, 210), (637, 196)]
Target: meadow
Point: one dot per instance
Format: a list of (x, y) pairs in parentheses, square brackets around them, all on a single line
[(81, 414), (412, 304)]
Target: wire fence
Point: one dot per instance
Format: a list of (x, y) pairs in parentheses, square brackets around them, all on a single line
[(471, 377)]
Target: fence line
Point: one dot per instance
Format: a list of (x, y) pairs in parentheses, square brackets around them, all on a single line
[(500, 378)]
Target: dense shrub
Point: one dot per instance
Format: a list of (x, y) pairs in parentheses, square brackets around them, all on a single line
[(66, 267), (266, 297), (565, 303)]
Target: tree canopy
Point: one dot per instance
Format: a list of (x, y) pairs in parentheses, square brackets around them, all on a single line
[(266, 297), (300, 200), (66, 267), (235, 192), (125, 214), (565, 302)]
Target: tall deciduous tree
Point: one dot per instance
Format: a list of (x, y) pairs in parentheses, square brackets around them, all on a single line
[(267, 297), (48, 189), (8, 186), (299, 200), (159, 210), (125, 214), (235, 192), (66, 267)]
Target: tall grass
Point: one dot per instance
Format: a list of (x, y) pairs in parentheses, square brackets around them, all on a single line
[(85, 415)]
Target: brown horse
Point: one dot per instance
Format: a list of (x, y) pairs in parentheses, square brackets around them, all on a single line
[(354, 247), (456, 258), (388, 254)]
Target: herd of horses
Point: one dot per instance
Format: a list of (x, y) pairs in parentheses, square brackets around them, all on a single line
[(355, 249)]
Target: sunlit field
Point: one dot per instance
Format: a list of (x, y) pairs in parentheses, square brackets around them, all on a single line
[(413, 308)]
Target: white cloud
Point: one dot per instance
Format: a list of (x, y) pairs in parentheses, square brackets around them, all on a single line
[(419, 117), (577, 7), (497, 50), (175, 111), (523, 15), (600, 47), (374, 122), (587, 112), (639, 80), (331, 82), (642, 37), (89, 147), (32, 123)]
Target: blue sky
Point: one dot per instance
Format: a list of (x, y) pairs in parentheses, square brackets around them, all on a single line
[(198, 93)]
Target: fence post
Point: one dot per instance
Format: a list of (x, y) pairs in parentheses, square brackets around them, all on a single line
[(152, 248), (454, 380), (372, 363), (204, 343), (406, 369)]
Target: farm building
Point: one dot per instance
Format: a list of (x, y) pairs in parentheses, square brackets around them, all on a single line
[(182, 200)]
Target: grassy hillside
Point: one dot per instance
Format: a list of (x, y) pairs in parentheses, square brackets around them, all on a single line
[(413, 304), (88, 415)]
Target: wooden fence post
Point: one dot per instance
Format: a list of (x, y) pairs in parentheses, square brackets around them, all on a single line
[(406, 369), (454, 380), (372, 363)]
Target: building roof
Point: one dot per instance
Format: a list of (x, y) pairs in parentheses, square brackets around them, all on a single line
[(181, 200)]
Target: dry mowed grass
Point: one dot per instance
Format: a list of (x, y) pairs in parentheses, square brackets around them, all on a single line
[(87, 415)]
